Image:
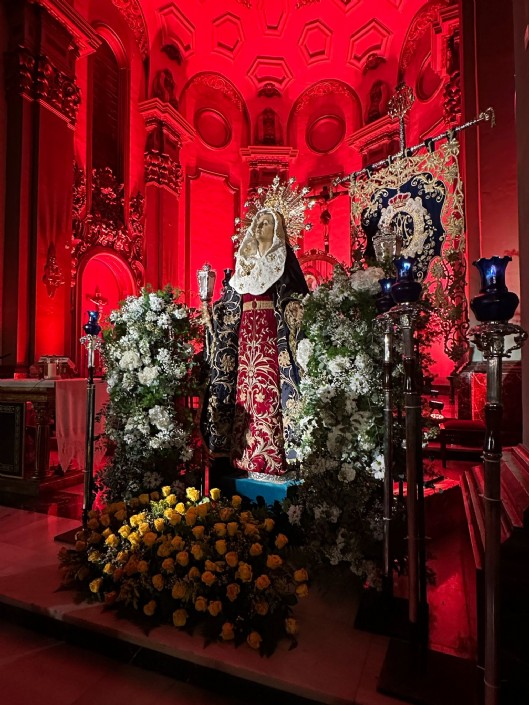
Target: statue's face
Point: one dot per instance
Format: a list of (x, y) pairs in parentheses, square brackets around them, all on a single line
[(264, 229)]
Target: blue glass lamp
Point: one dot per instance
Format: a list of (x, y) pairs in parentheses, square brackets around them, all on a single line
[(92, 327), (384, 301), (405, 290), (494, 302)]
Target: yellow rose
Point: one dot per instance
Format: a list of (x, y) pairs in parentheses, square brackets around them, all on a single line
[(121, 515), (93, 514), (244, 572), (192, 494), (231, 559), (302, 590), (112, 541), (124, 531), (149, 539), (168, 565), (105, 534), (201, 604), (262, 608), (251, 530), (232, 591), (120, 505), (144, 498), (179, 618), (180, 508), (236, 501), (182, 558), (80, 546), (246, 516), (225, 513), (108, 569), (155, 496), (117, 575), (132, 565), (220, 529), (281, 541), (94, 538), (123, 556), (256, 549), (93, 524), (291, 626), (227, 633), (93, 556), (164, 550), (269, 524), (208, 578), (150, 608), (143, 567), (173, 517), (203, 508), (157, 581), (134, 520), (215, 494), (215, 608), (221, 547), (171, 500), (196, 550), (232, 528), (134, 503), (95, 584), (262, 582), (166, 490), (191, 516), (177, 543), (254, 640), (179, 590), (144, 527), (159, 524), (273, 561), (301, 575), (209, 565), (104, 519), (198, 532), (194, 573)]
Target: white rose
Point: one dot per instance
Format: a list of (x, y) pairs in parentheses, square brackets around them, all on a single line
[(130, 360), (303, 353), (148, 375)]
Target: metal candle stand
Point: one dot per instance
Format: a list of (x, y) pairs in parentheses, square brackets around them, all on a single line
[(489, 338), (405, 316), (91, 342)]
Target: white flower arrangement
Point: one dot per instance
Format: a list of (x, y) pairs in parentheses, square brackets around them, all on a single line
[(149, 357), (339, 424)]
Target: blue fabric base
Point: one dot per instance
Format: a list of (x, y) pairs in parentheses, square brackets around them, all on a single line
[(244, 486)]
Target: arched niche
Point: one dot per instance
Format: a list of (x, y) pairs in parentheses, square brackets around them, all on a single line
[(217, 110), (103, 280)]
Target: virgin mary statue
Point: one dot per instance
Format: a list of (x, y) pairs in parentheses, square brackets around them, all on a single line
[(254, 379)]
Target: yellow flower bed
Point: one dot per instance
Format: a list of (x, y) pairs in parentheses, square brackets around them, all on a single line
[(191, 560)]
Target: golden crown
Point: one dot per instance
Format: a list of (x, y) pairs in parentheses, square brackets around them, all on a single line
[(285, 198)]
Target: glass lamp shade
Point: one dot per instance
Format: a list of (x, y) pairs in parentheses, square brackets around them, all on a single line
[(206, 282), (92, 327), (494, 302), (385, 245), (384, 301), (405, 289)]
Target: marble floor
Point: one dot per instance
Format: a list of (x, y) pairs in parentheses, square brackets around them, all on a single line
[(333, 663)]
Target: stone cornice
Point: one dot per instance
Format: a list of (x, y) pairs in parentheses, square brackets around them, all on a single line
[(385, 129), (272, 154), (85, 39), (155, 111)]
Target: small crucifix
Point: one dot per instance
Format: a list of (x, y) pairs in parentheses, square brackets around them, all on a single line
[(98, 300)]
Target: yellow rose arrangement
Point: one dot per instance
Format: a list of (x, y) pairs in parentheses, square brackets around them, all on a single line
[(191, 561)]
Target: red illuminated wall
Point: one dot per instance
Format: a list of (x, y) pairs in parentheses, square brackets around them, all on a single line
[(212, 99)]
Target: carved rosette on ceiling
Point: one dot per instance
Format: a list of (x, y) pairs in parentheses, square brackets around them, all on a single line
[(161, 169), (132, 12), (37, 78), (105, 225)]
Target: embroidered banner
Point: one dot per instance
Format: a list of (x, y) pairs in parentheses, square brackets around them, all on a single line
[(419, 199)]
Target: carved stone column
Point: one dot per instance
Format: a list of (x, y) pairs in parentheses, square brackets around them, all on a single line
[(167, 130), (46, 37)]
